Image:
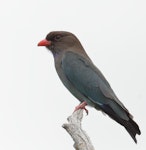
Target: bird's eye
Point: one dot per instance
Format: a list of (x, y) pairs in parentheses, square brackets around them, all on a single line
[(57, 37)]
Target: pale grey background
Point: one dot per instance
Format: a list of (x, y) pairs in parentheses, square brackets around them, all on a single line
[(34, 103)]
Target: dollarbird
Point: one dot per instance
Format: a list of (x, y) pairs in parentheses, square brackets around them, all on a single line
[(85, 81)]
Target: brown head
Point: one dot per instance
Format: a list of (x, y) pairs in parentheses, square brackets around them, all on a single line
[(59, 41)]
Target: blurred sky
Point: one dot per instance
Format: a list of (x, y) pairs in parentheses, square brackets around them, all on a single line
[(33, 102)]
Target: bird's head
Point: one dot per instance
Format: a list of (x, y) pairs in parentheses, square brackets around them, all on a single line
[(58, 41)]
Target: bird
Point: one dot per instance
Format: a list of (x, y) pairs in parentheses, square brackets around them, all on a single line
[(85, 81)]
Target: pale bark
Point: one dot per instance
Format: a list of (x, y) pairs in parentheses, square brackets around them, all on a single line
[(74, 128)]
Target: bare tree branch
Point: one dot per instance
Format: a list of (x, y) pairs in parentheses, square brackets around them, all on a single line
[(74, 128)]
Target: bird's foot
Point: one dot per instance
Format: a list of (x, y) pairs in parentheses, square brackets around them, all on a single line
[(81, 106)]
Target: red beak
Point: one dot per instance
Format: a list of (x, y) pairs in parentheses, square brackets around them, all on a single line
[(44, 43)]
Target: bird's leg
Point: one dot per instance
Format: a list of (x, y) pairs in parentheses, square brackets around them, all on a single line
[(81, 106)]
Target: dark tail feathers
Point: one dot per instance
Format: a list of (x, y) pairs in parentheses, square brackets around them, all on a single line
[(132, 128)]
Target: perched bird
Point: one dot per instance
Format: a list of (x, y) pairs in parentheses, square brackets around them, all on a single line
[(84, 80)]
